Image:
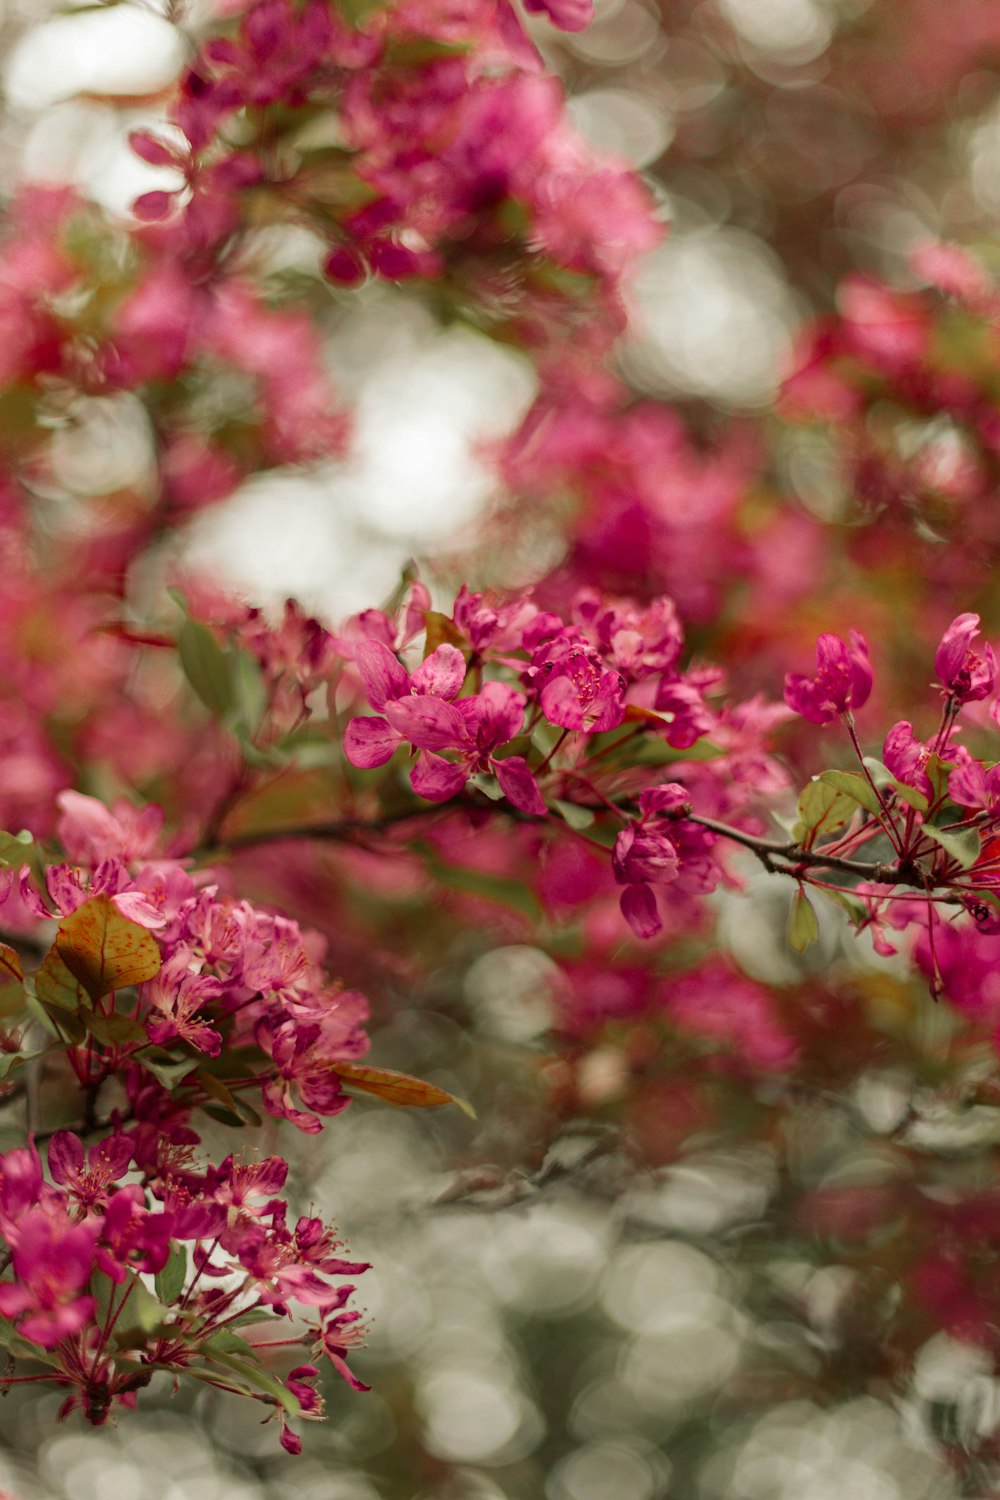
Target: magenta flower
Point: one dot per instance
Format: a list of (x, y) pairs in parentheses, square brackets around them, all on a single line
[(89, 1175), (576, 690), (965, 674), (132, 1238), (175, 996), (971, 785), (906, 757), (843, 680), (567, 15), (372, 741), (52, 1264), (419, 709)]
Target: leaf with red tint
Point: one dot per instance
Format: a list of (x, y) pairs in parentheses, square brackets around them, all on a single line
[(399, 1089), (104, 950), (55, 985), (11, 968), (11, 981)]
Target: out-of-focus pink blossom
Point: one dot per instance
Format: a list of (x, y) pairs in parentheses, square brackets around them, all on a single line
[(843, 680)]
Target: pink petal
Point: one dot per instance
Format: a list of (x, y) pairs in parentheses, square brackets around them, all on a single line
[(383, 676), (429, 723), (441, 673), (518, 785), (638, 906), (65, 1157), (369, 742), (436, 779), (560, 703), (138, 908)]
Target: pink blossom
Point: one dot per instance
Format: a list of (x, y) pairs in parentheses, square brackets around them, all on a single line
[(175, 997), (568, 15), (52, 1263), (90, 833), (906, 757), (843, 680), (574, 690), (88, 1175), (965, 674)]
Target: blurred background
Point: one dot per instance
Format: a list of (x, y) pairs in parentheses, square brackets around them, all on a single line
[(621, 1283)]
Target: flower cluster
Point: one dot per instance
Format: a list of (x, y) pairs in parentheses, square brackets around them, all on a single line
[(613, 668), (81, 1243)]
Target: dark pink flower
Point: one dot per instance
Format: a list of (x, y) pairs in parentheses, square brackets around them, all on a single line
[(574, 689), (843, 680), (88, 1175), (371, 742), (132, 1238), (52, 1263), (906, 757), (967, 675)]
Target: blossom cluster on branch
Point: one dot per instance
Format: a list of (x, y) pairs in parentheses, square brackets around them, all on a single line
[(597, 761)]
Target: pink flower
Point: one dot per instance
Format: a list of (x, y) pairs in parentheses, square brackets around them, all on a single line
[(971, 785), (906, 757), (843, 680), (52, 1263), (175, 996), (575, 691), (419, 709), (106, 1161), (965, 674), (371, 742), (567, 15), (90, 833)]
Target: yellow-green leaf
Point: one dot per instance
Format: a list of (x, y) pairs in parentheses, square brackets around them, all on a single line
[(821, 809), (56, 985), (854, 786), (961, 844), (207, 667), (104, 950), (399, 1089), (803, 927)]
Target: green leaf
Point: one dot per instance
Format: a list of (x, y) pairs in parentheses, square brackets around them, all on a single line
[(61, 1024), (883, 777), (248, 1115), (227, 1342), (56, 985), (104, 950), (145, 1310), (488, 785), (441, 631), (22, 1349), (10, 1061), (853, 905), (498, 888), (961, 844), (574, 815), (803, 928), (169, 1282), (821, 809), (259, 1380), (16, 849), (249, 692), (167, 1070), (111, 1029), (224, 1116), (854, 786), (207, 668)]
